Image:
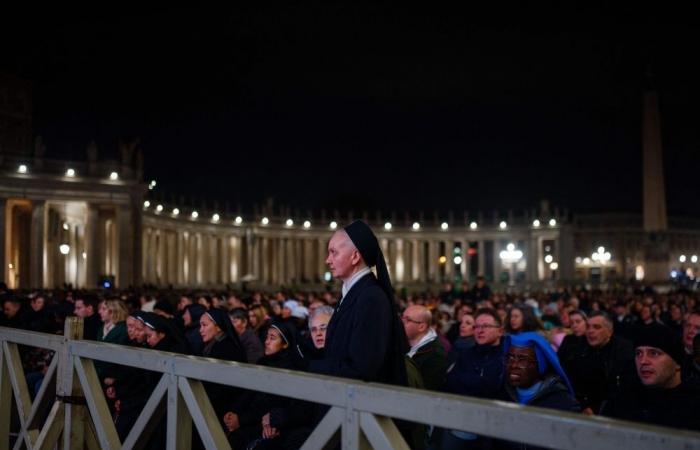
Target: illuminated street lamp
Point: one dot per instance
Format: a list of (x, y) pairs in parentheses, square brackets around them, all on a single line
[(444, 226), (552, 222), (387, 226), (334, 225), (265, 221), (289, 222), (307, 224), (64, 249), (503, 225), (416, 226), (70, 173), (114, 176), (22, 168), (473, 226), (682, 258), (511, 256), (238, 220), (536, 223), (601, 256)]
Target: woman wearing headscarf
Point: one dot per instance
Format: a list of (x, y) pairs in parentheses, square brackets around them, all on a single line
[(249, 416), (161, 335), (365, 339), (190, 318), (220, 342), (534, 376)]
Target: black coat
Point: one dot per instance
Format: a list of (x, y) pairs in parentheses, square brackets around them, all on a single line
[(219, 394), (360, 337), (677, 407), (600, 374)]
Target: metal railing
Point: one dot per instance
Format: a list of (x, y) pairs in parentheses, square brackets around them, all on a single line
[(360, 413)]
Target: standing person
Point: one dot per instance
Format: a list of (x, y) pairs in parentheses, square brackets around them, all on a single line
[(85, 307), (365, 338)]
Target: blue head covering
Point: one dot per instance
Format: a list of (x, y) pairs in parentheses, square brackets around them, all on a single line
[(547, 360)]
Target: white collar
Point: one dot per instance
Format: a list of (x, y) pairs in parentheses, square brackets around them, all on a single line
[(353, 279), (429, 337)]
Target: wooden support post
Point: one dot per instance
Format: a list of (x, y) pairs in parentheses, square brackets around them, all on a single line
[(68, 387)]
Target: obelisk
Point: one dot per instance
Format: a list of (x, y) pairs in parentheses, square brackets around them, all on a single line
[(656, 252)]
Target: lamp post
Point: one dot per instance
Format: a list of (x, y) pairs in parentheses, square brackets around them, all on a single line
[(511, 256)]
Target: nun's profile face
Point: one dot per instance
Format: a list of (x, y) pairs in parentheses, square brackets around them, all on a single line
[(343, 257), (208, 328), (274, 342), (153, 337)]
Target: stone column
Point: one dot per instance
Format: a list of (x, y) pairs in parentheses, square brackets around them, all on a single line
[(322, 250), (482, 257), (464, 268), (4, 246), (265, 273), (37, 250), (496, 260), (400, 261), (416, 261), (532, 258), (433, 263), (92, 262), (125, 246), (449, 264)]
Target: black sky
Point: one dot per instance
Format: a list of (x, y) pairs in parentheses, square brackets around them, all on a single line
[(386, 108)]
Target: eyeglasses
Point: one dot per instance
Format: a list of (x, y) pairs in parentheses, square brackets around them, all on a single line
[(521, 361), (408, 319), (319, 328), (485, 326)]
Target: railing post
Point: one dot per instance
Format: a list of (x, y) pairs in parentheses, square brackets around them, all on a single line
[(5, 401), (68, 388)]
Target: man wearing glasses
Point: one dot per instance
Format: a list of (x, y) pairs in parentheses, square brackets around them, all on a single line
[(426, 350)]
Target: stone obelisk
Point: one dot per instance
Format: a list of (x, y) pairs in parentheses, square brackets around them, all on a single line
[(656, 251)]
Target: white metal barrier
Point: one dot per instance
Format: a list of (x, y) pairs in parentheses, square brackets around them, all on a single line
[(360, 413)]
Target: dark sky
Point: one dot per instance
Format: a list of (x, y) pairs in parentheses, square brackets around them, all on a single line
[(370, 107)]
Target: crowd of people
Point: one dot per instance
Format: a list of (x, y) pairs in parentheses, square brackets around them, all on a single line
[(627, 353)]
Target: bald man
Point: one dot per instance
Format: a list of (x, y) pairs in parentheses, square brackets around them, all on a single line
[(426, 350)]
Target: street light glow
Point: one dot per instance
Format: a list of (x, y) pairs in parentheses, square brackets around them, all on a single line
[(195, 214), (416, 226), (238, 220), (334, 225), (503, 225), (548, 259), (473, 226), (307, 224), (64, 249), (552, 222), (114, 176), (70, 173), (536, 223), (216, 217), (265, 221), (22, 168), (444, 226), (289, 222), (387, 226)]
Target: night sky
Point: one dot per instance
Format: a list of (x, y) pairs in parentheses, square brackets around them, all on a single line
[(341, 107)]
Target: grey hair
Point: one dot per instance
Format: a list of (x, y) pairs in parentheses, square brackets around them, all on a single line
[(324, 309)]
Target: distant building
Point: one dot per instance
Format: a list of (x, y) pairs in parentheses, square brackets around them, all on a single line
[(90, 223)]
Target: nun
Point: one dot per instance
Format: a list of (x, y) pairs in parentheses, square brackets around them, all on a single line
[(220, 342), (365, 339)]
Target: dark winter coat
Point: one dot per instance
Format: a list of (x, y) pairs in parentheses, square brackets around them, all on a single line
[(358, 340), (600, 374), (432, 364), (477, 372)]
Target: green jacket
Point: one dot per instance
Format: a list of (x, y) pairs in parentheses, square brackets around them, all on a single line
[(116, 335), (431, 360)]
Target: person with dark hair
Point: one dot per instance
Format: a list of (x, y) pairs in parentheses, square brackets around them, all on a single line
[(602, 368), (663, 398), (162, 336), (86, 307), (249, 340), (477, 372), (258, 415), (15, 313), (220, 342), (481, 291), (534, 377), (190, 319), (574, 343), (365, 338), (522, 318)]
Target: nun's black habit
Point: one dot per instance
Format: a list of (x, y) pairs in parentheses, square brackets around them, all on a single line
[(365, 338)]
